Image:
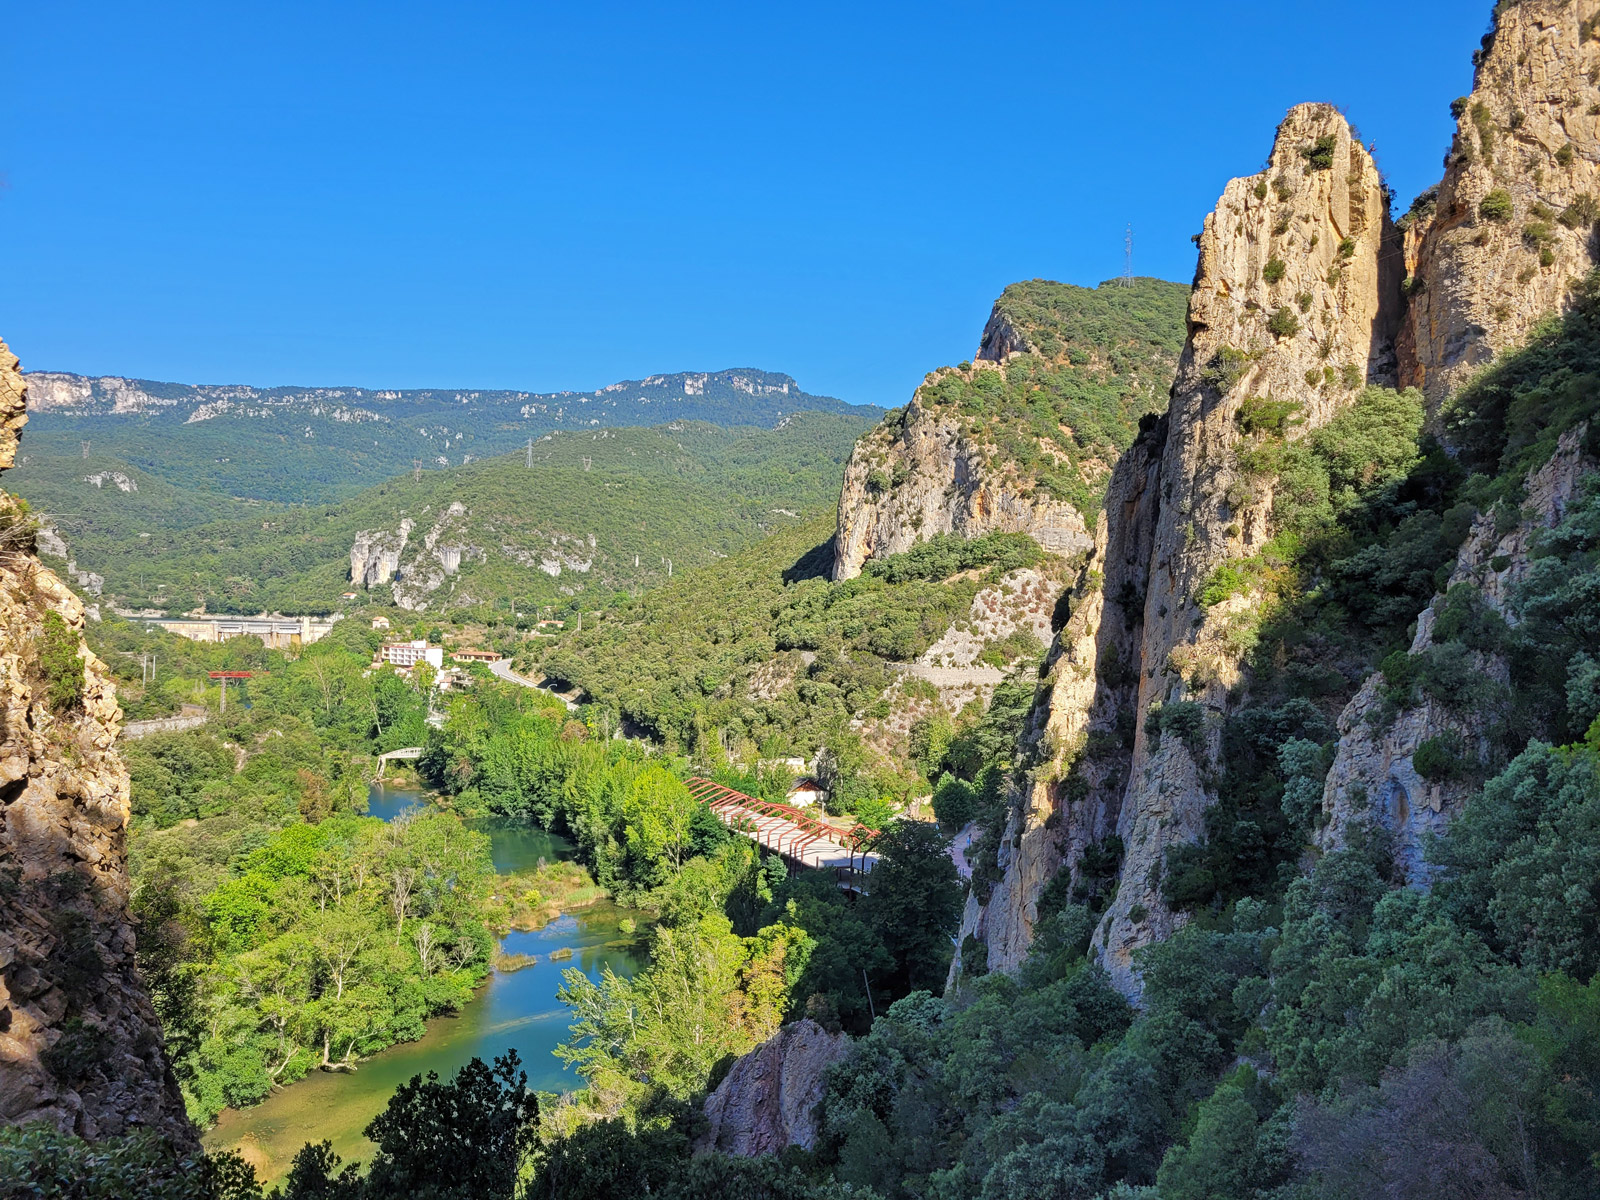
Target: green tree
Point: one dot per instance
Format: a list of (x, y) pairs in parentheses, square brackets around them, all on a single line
[(914, 903)]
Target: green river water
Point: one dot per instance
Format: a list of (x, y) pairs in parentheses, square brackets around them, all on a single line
[(513, 1010)]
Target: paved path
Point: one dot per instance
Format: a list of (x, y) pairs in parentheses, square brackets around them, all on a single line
[(502, 669), (977, 675), (959, 847), (797, 836)]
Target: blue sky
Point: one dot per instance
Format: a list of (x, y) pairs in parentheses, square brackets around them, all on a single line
[(549, 196)]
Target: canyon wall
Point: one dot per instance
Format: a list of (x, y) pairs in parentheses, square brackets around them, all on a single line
[(1511, 228), (80, 1044)]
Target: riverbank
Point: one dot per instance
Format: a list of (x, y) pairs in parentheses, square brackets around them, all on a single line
[(554, 918)]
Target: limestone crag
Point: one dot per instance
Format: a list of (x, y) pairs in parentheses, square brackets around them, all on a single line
[(435, 559), (1296, 299), (1081, 730), (1513, 224), (80, 1044), (765, 1103), (1373, 774), (375, 555), (917, 475)]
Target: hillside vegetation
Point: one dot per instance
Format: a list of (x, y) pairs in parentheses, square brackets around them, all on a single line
[(315, 444), (1077, 369), (625, 501), (763, 654)]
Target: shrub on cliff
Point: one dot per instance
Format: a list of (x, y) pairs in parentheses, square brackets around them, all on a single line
[(60, 664)]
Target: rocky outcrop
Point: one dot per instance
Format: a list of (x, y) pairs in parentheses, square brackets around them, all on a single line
[(375, 555), (1374, 775), (1296, 299), (765, 1103), (1296, 303), (80, 1044), (1513, 224), (1082, 730), (918, 474)]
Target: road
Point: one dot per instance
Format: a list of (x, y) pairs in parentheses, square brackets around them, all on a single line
[(502, 670)]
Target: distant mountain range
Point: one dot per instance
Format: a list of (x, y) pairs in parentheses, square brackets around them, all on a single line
[(300, 444)]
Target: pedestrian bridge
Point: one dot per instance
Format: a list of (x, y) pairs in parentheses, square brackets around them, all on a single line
[(407, 752), (800, 837)]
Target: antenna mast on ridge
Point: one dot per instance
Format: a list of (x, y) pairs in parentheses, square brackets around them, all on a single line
[(1127, 270)]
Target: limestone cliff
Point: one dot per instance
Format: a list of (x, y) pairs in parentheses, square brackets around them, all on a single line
[(765, 1103), (1512, 226), (1296, 303), (946, 484), (1023, 438), (80, 1044)]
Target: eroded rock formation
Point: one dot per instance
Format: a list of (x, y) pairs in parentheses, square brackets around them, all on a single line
[(1512, 225), (765, 1102), (80, 1044), (921, 475)]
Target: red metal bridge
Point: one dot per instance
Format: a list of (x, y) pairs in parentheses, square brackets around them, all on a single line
[(797, 835)]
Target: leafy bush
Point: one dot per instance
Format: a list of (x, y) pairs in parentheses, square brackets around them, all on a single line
[(1319, 155), (1496, 206), (1275, 269), (948, 554), (1283, 323), (60, 665), (1441, 758)]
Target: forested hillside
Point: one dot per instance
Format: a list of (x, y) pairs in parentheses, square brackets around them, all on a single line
[(608, 509), (316, 444)]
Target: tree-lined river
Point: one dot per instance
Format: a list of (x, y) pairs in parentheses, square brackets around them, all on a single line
[(517, 1010)]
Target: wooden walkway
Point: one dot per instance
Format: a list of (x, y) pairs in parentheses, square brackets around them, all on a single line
[(797, 835)]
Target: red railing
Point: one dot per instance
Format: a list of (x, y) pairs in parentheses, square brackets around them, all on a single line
[(808, 828)]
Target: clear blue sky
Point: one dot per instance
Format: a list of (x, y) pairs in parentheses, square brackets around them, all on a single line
[(546, 196)]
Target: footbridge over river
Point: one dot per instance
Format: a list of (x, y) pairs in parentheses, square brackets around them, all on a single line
[(800, 837), (385, 759)]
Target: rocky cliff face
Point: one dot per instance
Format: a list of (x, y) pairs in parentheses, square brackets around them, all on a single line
[(921, 474), (80, 1045), (1296, 302), (1024, 437), (765, 1103), (1487, 255), (1513, 224), (1374, 774)]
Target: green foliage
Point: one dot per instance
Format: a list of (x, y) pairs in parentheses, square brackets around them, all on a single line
[(60, 664), (39, 1160), (1283, 323), (948, 554), (1101, 359), (1183, 719), (1319, 154), (467, 1139), (711, 492), (1276, 268), (1496, 206)]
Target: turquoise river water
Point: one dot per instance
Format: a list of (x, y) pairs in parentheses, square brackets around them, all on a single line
[(516, 1009)]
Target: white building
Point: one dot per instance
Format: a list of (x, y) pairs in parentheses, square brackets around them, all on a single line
[(409, 654)]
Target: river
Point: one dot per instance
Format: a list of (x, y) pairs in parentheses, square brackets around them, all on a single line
[(517, 1010)]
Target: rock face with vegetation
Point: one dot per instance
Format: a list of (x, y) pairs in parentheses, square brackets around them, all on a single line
[(1498, 245), (1294, 311), (80, 1045), (1023, 438), (765, 1103)]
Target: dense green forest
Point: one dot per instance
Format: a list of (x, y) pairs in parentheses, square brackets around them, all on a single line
[(689, 494), (299, 445), (762, 655)]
